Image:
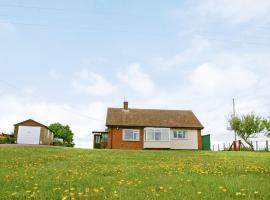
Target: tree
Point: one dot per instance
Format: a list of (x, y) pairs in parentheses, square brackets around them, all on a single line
[(247, 126), (266, 123), (64, 132)]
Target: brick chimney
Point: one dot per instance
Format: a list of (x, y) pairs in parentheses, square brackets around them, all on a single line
[(125, 105)]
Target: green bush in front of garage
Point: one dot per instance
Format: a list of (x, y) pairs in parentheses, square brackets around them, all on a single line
[(7, 140)]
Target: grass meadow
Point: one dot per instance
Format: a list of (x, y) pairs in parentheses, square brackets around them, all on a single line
[(65, 173)]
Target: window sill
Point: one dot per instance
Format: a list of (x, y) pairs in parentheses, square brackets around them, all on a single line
[(179, 138)]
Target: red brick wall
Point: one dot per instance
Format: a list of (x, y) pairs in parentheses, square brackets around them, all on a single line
[(115, 140), (199, 140)]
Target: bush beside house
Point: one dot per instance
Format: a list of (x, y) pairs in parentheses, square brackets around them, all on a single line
[(7, 139), (62, 134)]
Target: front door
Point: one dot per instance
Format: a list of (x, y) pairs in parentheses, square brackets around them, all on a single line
[(97, 139)]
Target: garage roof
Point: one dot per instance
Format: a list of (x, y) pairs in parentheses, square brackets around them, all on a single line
[(31, 121)]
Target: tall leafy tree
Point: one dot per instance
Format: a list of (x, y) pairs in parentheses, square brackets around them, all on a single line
[(64, 132), (247, 126), (266, 123)]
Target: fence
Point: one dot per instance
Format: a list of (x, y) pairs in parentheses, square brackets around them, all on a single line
[(4, 135), (258, 146)]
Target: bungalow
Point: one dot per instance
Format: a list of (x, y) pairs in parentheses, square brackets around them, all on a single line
[(130, 128)]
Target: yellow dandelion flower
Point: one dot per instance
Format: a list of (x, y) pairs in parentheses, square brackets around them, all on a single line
[(64, 198), (161, 188), (237, 193), (220, 187), (199, 192), (13, 194), (80, 194), (256, 192), (224, 190), (71, 194), (96, 190)]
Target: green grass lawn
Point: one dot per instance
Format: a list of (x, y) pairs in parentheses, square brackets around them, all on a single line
[(62, 173)]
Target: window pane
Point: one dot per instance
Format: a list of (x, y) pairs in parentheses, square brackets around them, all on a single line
[(136, 135), (180, 134), (158, 136), (128, 136), (175, 134), (165, 135), (184, 134)]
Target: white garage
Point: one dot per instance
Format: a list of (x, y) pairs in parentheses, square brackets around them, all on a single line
[(32, 132), (28, 135)]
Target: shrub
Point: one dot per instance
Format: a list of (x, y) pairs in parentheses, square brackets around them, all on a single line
[(63, 144), (7, 140), (245, 148)]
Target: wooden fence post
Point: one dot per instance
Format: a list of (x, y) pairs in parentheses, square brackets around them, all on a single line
[(256, 145), (266, 144), (218, 147)]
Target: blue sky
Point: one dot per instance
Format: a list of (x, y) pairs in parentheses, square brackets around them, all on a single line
[(68, 61)]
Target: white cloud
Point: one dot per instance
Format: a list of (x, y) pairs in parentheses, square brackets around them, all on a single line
[(91, 83), (198, 45), (212, 86), (54, 74), (135, 78), (236, 11), (212, 79), (6, 26)]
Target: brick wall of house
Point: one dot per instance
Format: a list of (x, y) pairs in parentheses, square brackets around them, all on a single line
[(115, 140)]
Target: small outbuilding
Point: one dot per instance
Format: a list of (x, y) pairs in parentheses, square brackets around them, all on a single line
[(32, 132)]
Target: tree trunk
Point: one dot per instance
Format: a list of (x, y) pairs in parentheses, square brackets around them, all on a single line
[(250, 144)]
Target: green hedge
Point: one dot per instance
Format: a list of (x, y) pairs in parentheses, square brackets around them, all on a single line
[(63, 144), (7, 140)]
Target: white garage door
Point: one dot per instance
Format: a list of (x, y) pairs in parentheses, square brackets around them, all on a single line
[(28, 135)]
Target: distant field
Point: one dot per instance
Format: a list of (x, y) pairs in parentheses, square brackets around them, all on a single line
[(60, 173)]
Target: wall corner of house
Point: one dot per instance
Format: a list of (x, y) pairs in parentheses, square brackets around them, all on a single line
[(199, 139), (109, 144)]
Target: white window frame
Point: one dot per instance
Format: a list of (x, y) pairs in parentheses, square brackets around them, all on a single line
[(155, 129), (178, 130), (134, 131)]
